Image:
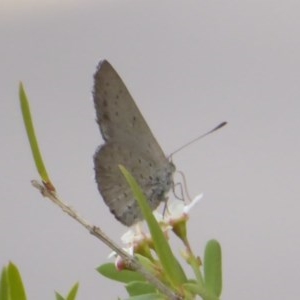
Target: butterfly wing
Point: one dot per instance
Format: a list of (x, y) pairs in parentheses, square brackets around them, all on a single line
[(117, 114), (155, 180)]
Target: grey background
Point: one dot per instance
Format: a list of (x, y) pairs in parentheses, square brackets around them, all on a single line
[(189, 65)]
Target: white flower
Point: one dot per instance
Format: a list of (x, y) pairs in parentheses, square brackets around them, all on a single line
[(188, 207), (177, 208), (133, 235)]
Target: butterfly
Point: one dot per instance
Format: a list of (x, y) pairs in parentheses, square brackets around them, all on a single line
[(129, 142)]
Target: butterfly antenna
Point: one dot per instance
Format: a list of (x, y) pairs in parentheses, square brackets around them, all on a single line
[(198, 138)]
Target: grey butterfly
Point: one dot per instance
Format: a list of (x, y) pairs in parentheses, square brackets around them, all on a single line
[(129, 142)]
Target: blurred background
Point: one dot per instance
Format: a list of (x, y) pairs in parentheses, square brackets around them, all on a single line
[(189, 65)]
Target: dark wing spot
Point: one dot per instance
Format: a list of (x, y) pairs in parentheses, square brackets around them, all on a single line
[(105, 117)]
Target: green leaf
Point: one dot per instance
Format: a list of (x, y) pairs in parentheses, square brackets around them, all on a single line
[(73, 292), (146, 262), (192, 287), (4, 287), (167, 259), (16, 288), (59, 296), (109, 270), (32, 137), (147, 297), (213, 267), (136, 288)]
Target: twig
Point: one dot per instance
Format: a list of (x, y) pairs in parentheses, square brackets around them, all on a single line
[(130, 261)]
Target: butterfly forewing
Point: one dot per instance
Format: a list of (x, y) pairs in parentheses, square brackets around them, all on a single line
[(117, 113)]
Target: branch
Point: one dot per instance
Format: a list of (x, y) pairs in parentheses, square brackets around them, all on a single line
[(130, 261)]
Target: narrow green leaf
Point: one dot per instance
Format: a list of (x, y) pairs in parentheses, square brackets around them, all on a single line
[(147, 263), (73, 292), (136, 288), (109, 270), (193, 288), (147, 297), (4, 287), (168, 261), (59, 296), (32, 137), (213, 267), (16, 288)]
